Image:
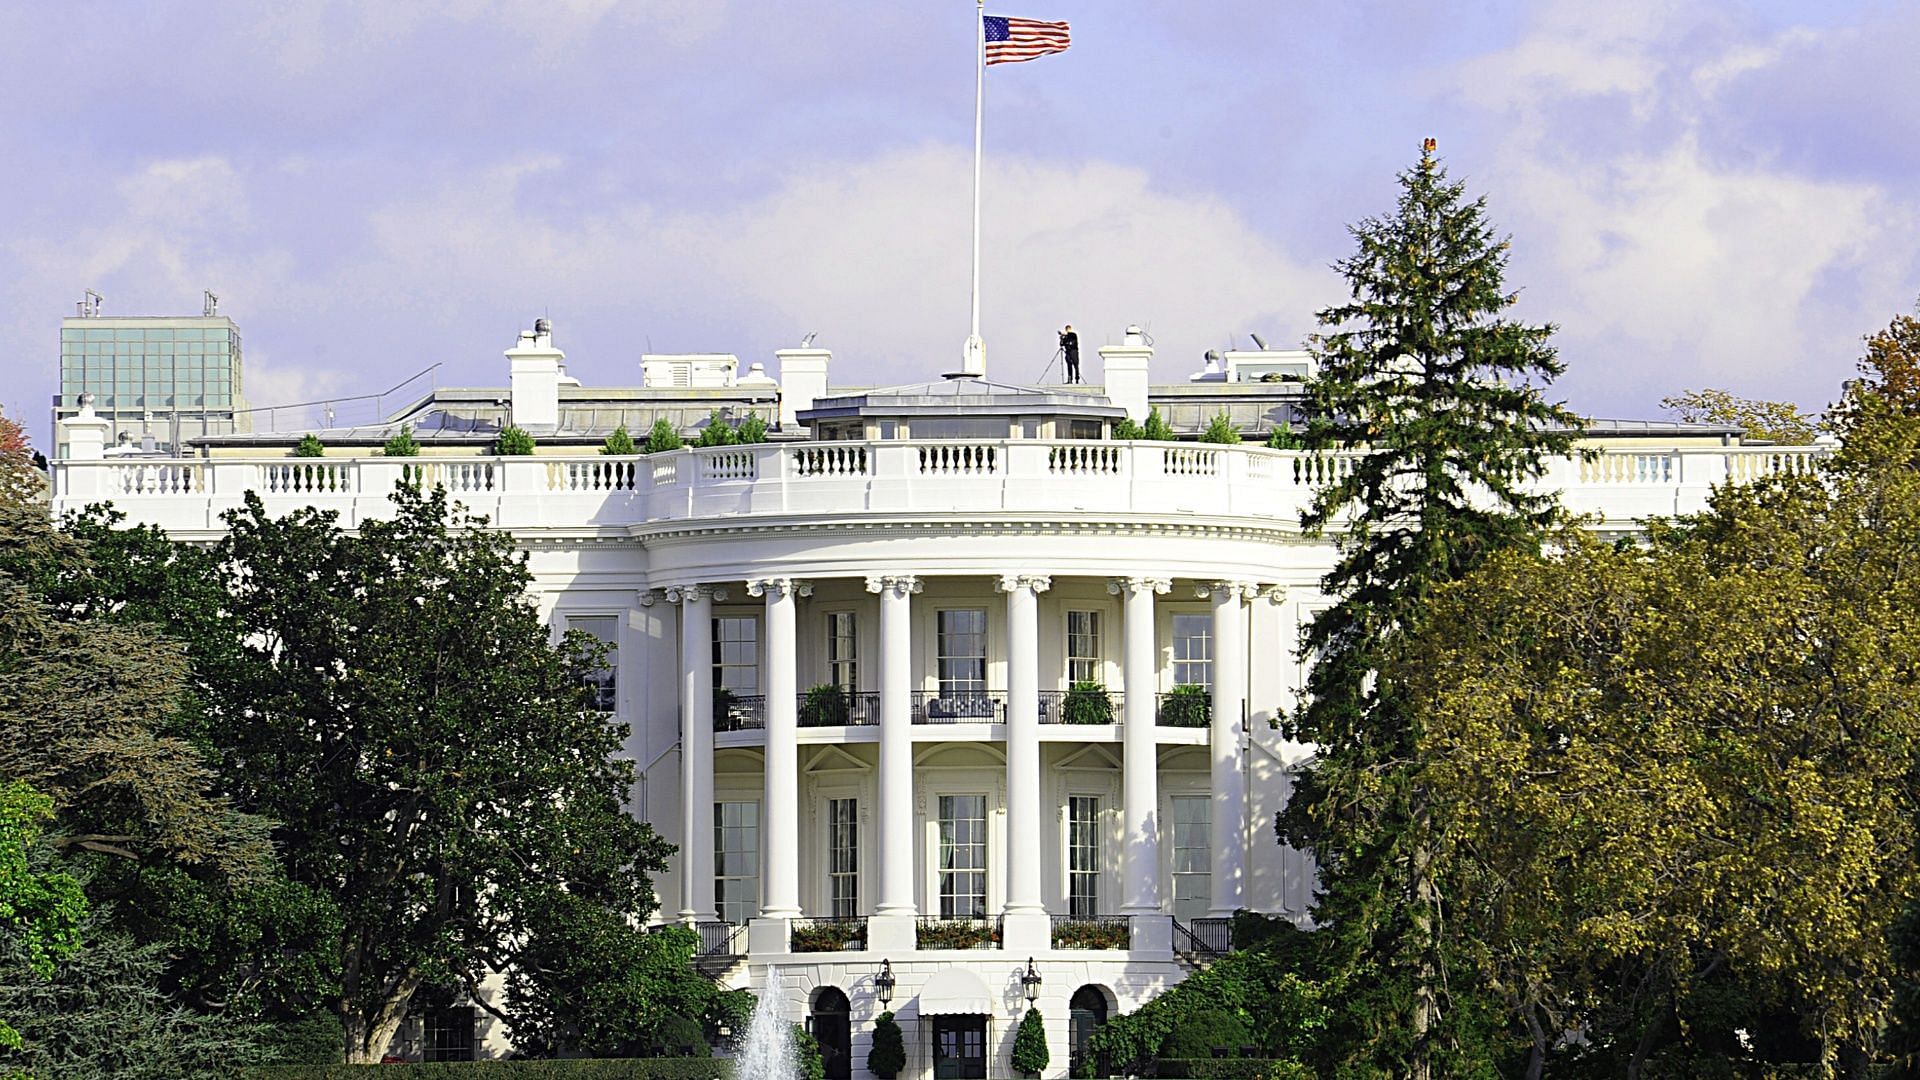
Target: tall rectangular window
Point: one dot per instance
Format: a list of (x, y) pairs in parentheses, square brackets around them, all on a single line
[(736, 654), (1083, 646), (1193, 650), (843, 856), (963, 856), (449, 1034), (1083, 856), (736, 861), (1192, 856), (842, 651), (961, 652), (603, 680)]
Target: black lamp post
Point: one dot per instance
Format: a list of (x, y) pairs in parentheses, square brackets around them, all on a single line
[(1031, 980), (883, 983)]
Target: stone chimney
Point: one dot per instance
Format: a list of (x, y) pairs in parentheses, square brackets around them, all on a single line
[(85, 433), (538, 370), (1125, 373), (803, 378)]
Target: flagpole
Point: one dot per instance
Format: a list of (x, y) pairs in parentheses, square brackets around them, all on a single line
[(975, 361)]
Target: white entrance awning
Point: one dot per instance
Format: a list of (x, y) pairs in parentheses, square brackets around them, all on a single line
[(955, 992)]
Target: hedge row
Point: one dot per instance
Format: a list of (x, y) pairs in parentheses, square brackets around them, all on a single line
[(1232, 1069), (582, 1069)]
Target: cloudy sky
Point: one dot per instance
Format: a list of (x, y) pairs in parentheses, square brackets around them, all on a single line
[(1700, 192)]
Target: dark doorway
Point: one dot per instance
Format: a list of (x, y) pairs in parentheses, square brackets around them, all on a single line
[(1086, 1011), (833, 1030), (959, 1048)]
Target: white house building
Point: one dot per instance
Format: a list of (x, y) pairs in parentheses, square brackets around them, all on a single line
[(943, 686)]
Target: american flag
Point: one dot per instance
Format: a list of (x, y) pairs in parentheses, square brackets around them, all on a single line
[(1010, 40)]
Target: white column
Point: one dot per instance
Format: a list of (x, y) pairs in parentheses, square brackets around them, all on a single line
[(780, 808), (1025, 822), (892, 925), (1229, 837), (696, 748), (1140, 788)]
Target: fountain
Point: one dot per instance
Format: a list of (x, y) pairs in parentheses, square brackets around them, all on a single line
[(768, 1051)]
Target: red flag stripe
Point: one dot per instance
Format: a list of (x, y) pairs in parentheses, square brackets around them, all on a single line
[(1028, 39)]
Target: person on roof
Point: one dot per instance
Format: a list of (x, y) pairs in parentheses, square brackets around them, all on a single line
[(1070, 346)]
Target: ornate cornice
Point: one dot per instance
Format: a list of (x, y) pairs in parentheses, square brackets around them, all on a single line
[(779, 588), (677, 594), (1137, 585), (1038, 583)]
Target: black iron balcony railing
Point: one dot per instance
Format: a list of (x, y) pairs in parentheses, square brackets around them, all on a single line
[(838, 933), (1092, 932), (830, 706), (721, 938), (732, 712), (957, 932), (1080, 705), (1184, 706), (959, 707)]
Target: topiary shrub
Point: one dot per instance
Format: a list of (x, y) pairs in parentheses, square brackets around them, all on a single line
[(1220, 430), (889, 1053), (619, 443), (751, 430), (717, 432), (1030, 1044), (1202, 1031), (1186, 705), (1283, 438), (310, 446), (401, 445), (1125, 428), (663, 436), (1087, 702), (513, 442)]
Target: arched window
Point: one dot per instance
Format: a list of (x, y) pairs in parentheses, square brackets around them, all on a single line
[(1086, 1011), (832, 1027)]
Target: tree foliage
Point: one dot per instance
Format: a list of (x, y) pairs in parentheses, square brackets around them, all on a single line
[(889, 1052), (1765, 421), (513, 442), (1221, 430), (717, 432), (1154, 428), (751, 430), (309, 446), (436, 766), (1437, 394)]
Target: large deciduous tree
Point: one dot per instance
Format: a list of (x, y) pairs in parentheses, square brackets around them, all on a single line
[(436, 765), (1764, 421), (1437, 395)]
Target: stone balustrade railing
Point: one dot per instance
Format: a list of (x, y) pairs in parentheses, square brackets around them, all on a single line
[(1013, 477)]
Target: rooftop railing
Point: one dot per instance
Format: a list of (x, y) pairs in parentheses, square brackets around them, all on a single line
[(1030, 477)]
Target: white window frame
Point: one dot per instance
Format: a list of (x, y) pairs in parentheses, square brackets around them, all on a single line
[(750, 900), (759, 644), (1096, 660), (1173, 640), (984, 657), (985, 845), (608, 692), (1175, 875), (1096, 828), (836, 874), (829, 640)]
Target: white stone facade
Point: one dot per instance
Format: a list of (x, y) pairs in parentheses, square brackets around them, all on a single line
[(957, 589)]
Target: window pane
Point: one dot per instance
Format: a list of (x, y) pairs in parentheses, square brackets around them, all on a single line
[(842, 646), (1192, 860), (843, 862), (736, 860), (963, 856), (736, 654), (1193, 650), (605, 628), (961, 646), (1083, 646)]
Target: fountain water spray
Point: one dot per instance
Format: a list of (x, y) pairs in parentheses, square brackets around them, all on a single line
[(768, 1052)]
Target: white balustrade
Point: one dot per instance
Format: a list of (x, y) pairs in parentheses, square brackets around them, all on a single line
[(1033, 477)]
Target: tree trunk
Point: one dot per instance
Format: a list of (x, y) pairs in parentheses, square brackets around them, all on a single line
[(368, 1036), (1426, 970), (1537, 1056)]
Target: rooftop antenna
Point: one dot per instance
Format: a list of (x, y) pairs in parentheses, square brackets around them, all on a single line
[(210, 303), (807, 342), (90, 305), (1258, 340)]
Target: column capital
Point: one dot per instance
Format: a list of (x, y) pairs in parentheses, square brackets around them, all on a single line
[(647, 597), (779, 587), (1038, 583), (897, 584), (1245, 590), (1137, 585), (679, 594), (1275, 594)]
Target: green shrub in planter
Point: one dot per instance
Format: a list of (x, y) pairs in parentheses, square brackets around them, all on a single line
[(717, 432), (402, 445), (1030, 1044), (662, 437), (826, 705), (678, 1035), (513, 442), (1092, 934), (826, 936), (310, 446), (1283, 438), (751, 430), (1187, 705), (619, 443), (889, 1053), (954, 935), (1086, 702), (1221, 430)]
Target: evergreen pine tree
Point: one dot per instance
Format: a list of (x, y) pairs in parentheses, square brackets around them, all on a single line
[(619, 443), (1438, 397)]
